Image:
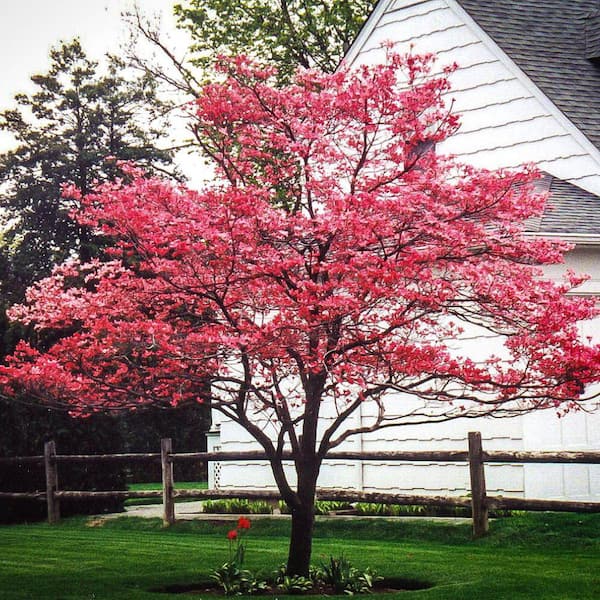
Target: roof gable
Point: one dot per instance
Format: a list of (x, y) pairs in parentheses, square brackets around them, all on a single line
[(552, 41), (508, 87)]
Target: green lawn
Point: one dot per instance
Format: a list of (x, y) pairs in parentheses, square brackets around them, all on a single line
[(543, 556), (179, 485)]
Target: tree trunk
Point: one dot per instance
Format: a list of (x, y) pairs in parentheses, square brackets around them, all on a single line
[(308, 464), (303, 519)]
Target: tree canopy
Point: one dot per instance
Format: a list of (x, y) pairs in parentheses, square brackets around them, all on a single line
[(284, 33), (335, 263)]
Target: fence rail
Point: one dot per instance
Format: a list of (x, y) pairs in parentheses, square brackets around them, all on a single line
[(434, 456), (479, 502)]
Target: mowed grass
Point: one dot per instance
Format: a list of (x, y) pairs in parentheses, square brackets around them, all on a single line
[(179, 485), (536, 556)]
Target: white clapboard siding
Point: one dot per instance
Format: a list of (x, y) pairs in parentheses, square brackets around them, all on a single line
[(250, 475), (581, 260), (506, 120), (423, 19), (576, 431), (479, 117), (538, 431)]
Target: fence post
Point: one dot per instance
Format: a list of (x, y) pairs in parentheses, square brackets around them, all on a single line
[(166, 448), (478, 491), (51, 469)]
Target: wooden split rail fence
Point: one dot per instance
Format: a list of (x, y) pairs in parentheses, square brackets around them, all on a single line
[(479, 502)]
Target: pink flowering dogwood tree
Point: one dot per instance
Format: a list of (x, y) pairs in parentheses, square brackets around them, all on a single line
[(335, 263)]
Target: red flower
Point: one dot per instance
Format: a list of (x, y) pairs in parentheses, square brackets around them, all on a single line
[(232, 535), (243, 523)]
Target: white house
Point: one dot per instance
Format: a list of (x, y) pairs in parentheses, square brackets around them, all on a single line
[(528, 90)]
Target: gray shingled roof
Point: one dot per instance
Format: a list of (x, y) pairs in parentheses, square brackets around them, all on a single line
[(592, 37), (569, 210), (546, 39), (582, 208)]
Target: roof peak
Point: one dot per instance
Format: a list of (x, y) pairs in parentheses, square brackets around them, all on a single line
[(556, 54)]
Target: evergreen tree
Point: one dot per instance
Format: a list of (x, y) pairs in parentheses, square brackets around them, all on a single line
[(70, 130), (80, 120)]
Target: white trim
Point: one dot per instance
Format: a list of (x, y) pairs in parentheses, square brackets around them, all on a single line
[(367, 29)]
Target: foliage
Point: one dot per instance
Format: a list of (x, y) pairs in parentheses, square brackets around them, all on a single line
[(236, 506), (326, 507), (261, 507), (422, 510), (344, 578), (336, 263), (25, 429), (142, 429), (80, 116), (374, 509), (337, 575), (286, 34), (398, 510), (294, 584), (322, 507), (236, 581)]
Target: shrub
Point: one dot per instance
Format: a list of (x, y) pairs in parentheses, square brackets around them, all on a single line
[(236, 506), (344, 578), (25, 429), (322, 507)]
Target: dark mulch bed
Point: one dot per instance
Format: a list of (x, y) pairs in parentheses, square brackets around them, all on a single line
[(391, 586)]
